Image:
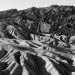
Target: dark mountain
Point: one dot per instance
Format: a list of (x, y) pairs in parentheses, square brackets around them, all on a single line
[(53, 19)]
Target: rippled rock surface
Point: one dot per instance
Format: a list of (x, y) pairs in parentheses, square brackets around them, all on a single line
[(38, 41)]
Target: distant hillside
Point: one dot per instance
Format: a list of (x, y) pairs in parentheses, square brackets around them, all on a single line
[(53, 19)]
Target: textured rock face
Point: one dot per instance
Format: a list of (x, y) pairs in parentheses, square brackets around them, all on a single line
[(45, 28), (38, 41), (21, 57)]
